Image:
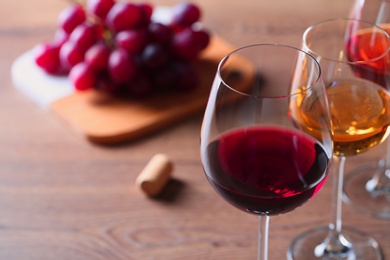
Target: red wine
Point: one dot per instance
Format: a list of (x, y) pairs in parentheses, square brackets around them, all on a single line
[(365, 45), (266, 170)]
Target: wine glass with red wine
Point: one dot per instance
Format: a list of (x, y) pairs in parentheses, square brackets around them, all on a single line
[(360, 113), (256, 152), (367, 188)]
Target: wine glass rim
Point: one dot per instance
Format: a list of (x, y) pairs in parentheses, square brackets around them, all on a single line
[(224, 59), (310, 28)]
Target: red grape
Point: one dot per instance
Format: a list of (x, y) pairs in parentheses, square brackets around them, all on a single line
[(187, 76), (202, 38), (154, 56), (132, 40), (123, 16), (100, 8), (84, 36), (70, 55), (82, 76), (60, 37), (146, 13), (185, 14), (184, 44), (47, 57), (97, 56), (71, 17), (106, 85), (121, 66), (160, 33)]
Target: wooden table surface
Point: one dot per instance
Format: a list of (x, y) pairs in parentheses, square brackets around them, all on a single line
[(62, 197)]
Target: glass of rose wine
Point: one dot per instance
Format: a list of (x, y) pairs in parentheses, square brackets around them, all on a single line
[(360, 115), (256, 152), (367, 189)]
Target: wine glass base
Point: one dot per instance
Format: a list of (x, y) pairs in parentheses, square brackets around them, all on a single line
[(363, 246), (357, 196)]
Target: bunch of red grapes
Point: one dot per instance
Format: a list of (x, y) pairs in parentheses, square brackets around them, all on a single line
[(115, 47)]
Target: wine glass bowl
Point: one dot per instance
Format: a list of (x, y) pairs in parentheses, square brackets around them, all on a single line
[(370, 45), (255, 151)]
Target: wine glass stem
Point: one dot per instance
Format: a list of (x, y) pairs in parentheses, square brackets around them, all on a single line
[(263, 238), (379, 184), (336, 217), (335, 243)]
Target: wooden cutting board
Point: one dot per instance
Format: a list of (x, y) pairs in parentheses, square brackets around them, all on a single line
[(107, 120)]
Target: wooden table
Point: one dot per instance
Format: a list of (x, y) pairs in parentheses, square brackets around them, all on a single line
[(62, 197)]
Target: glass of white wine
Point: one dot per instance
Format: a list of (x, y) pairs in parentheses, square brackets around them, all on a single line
[(360, 114)]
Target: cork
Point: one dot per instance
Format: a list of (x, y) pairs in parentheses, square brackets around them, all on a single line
[(155, 175)]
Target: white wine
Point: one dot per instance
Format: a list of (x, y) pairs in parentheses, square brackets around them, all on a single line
[(360, 115)]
